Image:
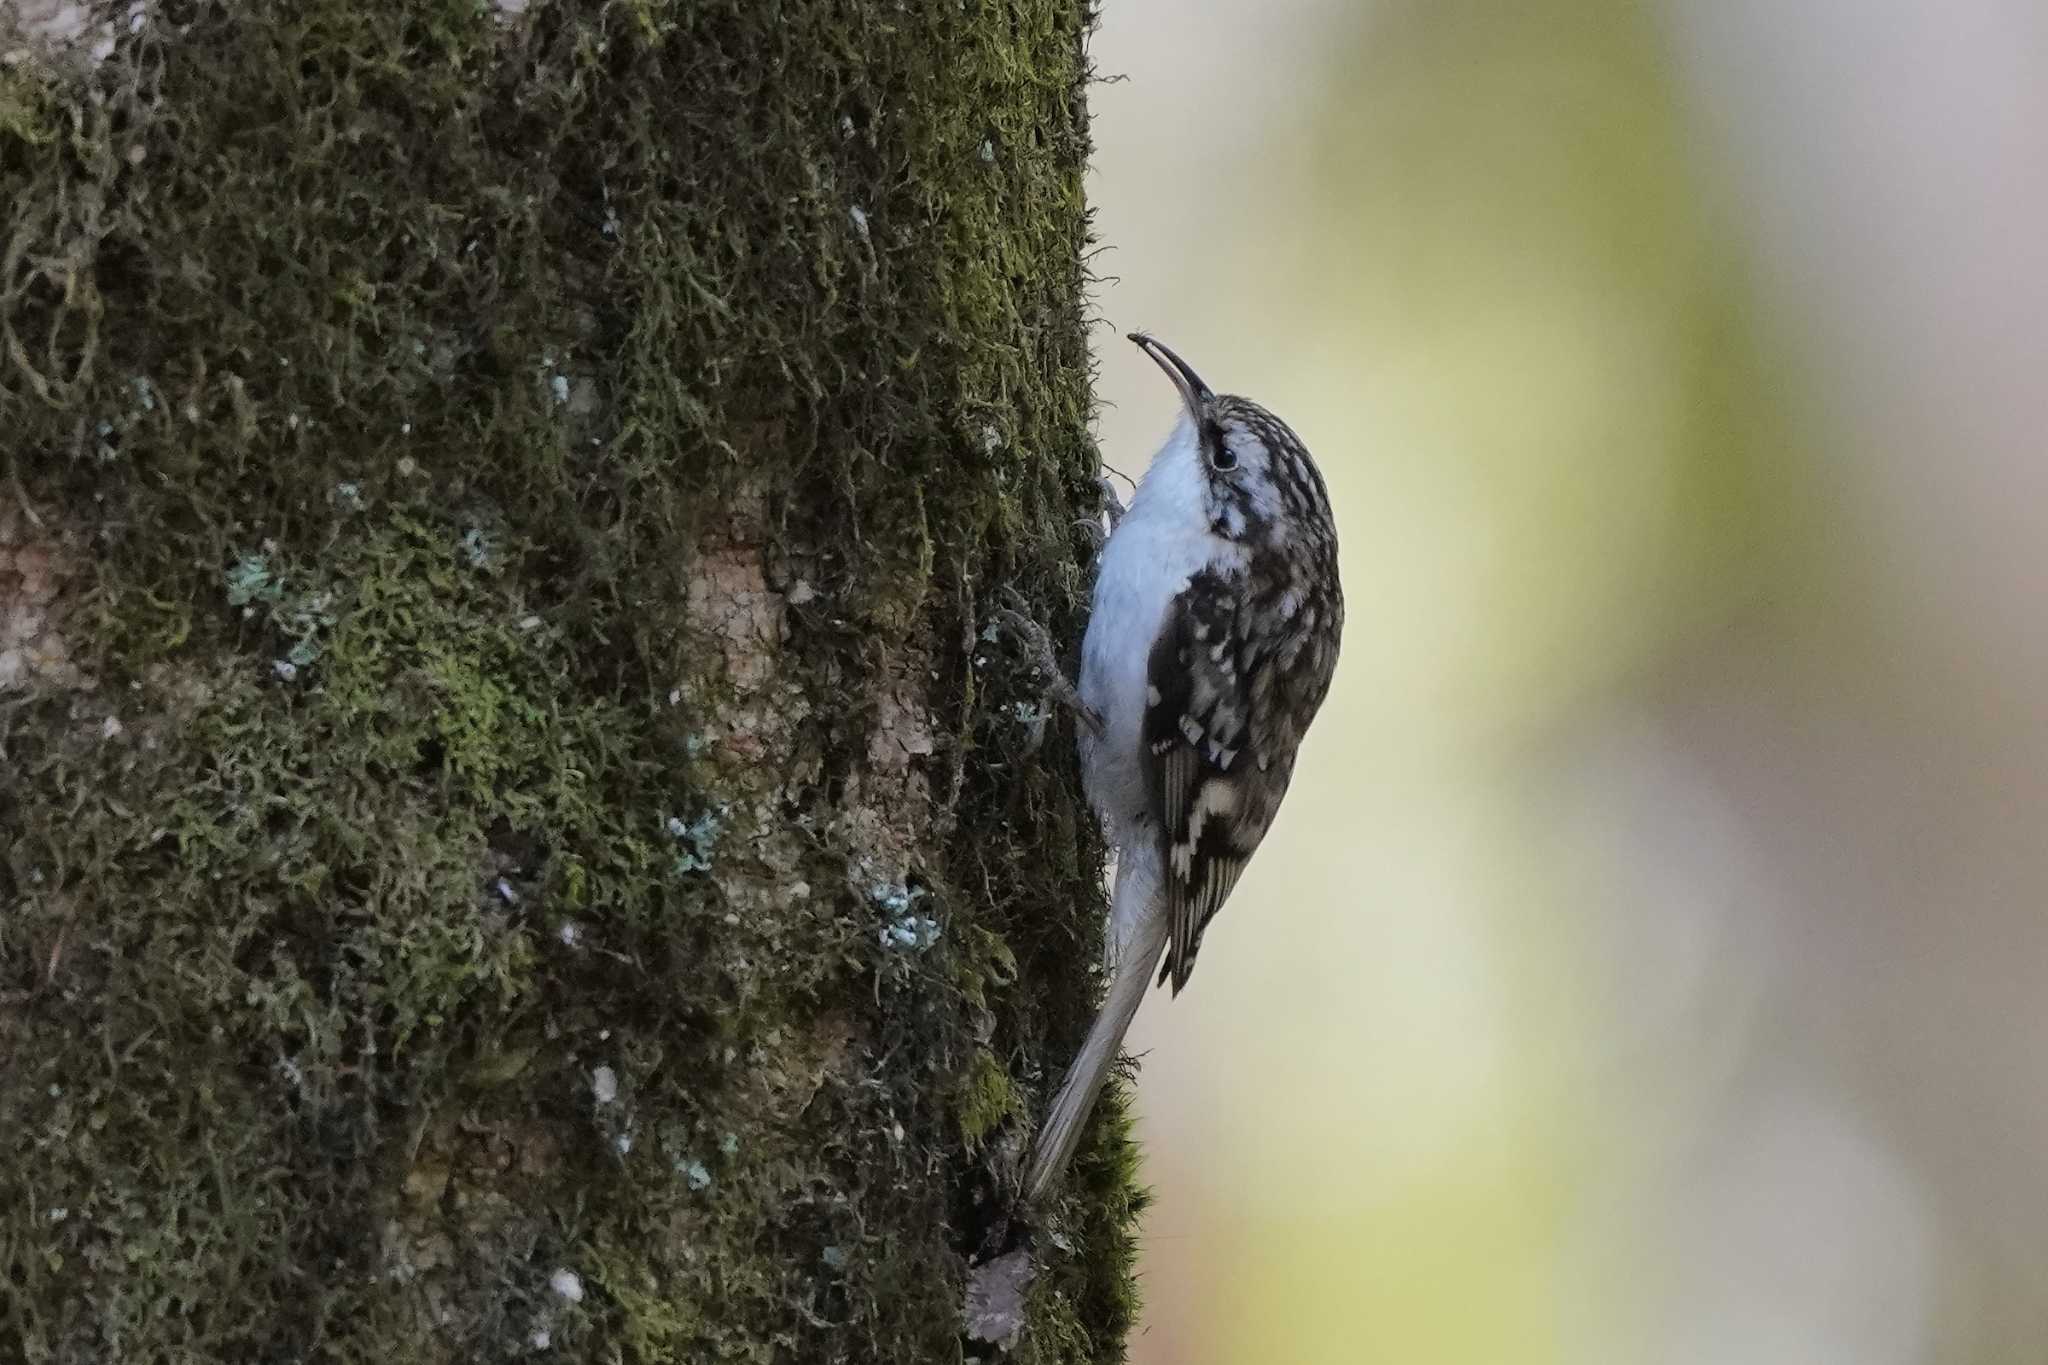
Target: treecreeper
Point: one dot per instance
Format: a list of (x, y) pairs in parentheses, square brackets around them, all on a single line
[(1211, 642)]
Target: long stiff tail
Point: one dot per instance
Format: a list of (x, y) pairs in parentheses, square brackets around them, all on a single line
[(1137, 937)]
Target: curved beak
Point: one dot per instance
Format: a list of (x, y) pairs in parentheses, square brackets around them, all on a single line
[(1193, 391)]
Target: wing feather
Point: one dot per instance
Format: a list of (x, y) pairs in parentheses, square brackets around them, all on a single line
[(1208, 807)]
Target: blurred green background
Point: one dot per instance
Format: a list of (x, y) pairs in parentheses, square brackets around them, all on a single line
[(1649, 964)]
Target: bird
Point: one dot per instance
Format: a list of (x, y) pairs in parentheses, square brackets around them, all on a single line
[(1211, 642)]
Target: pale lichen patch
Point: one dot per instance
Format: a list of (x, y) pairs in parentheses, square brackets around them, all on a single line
[(48, 28), (753, 712), (39, 574), (888, 810), (996, 1299), (903, 726), (730, 601), (731, 605), (67, 35)]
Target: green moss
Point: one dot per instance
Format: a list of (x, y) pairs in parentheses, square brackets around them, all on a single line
[(24, 107), (653, 1324), (392, 369), (987, 1098)]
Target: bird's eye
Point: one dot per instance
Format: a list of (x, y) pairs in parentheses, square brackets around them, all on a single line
[(1221, 456)]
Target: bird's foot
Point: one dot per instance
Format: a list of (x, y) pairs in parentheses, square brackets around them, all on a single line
[(1100, 527), (1036, 644), (1113, 508)]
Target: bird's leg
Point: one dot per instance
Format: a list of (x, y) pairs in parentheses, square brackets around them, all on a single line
[(1036, 643)]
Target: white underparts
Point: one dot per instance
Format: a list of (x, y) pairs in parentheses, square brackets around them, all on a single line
[(1162, 542)]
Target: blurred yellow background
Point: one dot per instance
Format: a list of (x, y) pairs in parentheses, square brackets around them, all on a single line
[(1651, 961)]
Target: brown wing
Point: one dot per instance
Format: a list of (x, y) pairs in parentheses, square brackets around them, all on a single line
[(1198, 719)]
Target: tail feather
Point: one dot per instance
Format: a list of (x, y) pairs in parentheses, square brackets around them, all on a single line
[(1138, 935)]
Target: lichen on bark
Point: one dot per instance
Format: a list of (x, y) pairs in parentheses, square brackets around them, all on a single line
[(510, 840)]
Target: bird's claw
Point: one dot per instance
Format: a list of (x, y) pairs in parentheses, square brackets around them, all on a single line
[(1108, 516), (1113, 508), (1036, 643)]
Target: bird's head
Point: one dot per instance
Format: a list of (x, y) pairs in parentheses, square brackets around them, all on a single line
[(1258, 478)]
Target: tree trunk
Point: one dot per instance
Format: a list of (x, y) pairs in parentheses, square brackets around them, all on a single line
[(510, 839)]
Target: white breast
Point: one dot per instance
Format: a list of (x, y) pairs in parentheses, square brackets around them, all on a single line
[(1162, 541)]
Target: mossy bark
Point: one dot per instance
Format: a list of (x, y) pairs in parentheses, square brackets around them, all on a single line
[(510, 840)]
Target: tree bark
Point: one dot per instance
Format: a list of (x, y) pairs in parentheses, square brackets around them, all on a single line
[(511, 839)]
